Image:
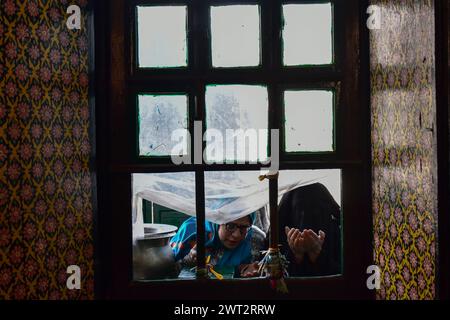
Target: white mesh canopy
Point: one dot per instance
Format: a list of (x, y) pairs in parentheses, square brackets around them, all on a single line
[(229, 195)]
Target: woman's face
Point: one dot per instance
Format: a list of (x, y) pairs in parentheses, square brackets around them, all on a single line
[(232, 233)]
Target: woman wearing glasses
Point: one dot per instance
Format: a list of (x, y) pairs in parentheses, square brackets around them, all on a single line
[(228, 245)]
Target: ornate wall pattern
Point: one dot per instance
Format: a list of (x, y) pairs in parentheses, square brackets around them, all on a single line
[(46, 214), (403, 149)]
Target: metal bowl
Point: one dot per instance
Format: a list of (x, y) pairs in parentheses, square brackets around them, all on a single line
[(157, 230), (152, 256)]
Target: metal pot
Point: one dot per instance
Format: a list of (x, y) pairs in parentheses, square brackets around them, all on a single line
[(152, 256)]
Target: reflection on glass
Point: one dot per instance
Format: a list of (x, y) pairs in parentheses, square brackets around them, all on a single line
[(159, 117), (308, 120), (307, 34), (236, 123), (235, 36), (162, 36)]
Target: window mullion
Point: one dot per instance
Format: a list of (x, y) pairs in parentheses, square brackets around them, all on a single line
[(275, 35), (200, 213), (274, 27), (202, 48), (274, 124), (200, 21), (273, 205), (200, 180)]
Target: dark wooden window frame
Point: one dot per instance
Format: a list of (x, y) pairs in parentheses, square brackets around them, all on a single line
[(117, 155)]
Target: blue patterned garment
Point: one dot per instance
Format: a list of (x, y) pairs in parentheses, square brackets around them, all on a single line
[(221, 257)]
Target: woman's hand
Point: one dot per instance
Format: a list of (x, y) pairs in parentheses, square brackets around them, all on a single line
[(190, 260), (296, 243), (305, 242), (249, 270), (313, 243)]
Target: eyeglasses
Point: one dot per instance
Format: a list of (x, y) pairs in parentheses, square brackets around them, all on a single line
[(231, 227)]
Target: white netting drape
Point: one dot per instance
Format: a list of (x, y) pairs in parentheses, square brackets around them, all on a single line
[(229, 195)]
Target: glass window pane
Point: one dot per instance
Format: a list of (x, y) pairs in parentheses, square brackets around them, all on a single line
[(235, 107), (308, 120), (159, 117), (235, 36), (307, 34), (314, 203), (235, 196), (161, 204), (162, 37)]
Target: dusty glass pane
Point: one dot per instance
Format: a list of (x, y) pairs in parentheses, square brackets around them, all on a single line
[(243, 110), (235, 36), (307, 34), (308, 120), (162, 36), (159, 116)]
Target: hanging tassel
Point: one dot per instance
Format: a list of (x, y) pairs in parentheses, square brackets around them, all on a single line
[(274, 267), (210, 269)]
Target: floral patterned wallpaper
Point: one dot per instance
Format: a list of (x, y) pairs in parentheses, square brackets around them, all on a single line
[(46, 217), (403, 149)]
